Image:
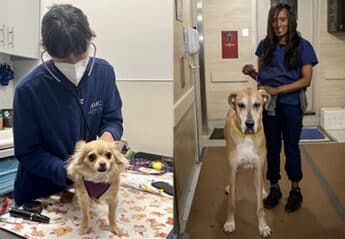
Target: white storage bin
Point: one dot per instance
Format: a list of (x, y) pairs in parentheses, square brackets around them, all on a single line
[(332, 118)]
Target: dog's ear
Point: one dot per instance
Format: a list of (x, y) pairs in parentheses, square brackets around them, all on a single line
[(79, 145), (120, 145), (266, 97), (75, 160), (120, 159), (78, 152), (232, 100)]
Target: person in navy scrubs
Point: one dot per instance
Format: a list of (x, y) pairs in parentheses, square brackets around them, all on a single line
[(285, 62)]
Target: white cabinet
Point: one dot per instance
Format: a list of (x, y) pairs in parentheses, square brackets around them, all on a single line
[(19, 28)]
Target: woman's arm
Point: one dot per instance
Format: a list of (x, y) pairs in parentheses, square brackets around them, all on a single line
[(303, 82)]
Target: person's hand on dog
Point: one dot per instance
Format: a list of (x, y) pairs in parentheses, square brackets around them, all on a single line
[(107, 136), (270, 90)]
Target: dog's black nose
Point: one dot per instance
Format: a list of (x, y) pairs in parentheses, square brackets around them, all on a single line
[(250, 123), (102, 167)]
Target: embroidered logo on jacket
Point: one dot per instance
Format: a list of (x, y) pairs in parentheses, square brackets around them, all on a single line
[(95, 107)]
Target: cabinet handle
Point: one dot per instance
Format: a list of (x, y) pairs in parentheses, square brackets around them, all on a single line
[(10, 31), (2, 41)]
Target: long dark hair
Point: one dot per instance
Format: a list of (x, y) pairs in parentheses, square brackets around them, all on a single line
[(292, 52)]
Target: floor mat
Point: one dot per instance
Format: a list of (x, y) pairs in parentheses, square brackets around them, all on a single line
[(218, 133), (314, 134)]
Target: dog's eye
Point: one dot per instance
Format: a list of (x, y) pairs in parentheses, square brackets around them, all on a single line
[(108, 155), (92, 157), (241, 105), (256, 105)]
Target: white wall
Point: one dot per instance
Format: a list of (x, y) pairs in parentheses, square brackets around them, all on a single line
[(136, 37), (148, 115)]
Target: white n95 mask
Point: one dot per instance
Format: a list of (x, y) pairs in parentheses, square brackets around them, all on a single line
[(73, 72)]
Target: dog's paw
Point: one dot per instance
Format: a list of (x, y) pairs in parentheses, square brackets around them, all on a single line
[(265, 230), (83, 230), (227, 190), (115, 229), (104, 227), (229, 226)]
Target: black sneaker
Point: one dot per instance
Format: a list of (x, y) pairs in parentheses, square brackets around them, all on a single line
[(294, 200), (273, 198)]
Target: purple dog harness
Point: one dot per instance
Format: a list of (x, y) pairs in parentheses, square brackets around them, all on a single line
[(96, 190)]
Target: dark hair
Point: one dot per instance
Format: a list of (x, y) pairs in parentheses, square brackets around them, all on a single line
[(65, 31), (292, 52)]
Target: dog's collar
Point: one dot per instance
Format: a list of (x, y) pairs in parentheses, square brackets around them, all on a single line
[(242, 134), (96, 190)]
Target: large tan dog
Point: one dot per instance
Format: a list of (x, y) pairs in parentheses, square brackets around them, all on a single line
[(95, 168), (246, 147)]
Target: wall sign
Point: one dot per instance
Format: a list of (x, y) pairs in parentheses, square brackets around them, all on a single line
[(229, 44)]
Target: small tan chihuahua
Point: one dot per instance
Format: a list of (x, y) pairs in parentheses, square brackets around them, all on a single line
[(95, 169)]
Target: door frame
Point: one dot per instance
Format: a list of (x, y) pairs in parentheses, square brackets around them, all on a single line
[(187, 149)]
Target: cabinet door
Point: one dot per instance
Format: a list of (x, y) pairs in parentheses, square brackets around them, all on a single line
[(23, 28), (3, 22)]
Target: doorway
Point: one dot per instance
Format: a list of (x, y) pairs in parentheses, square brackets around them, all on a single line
[(248, 19)]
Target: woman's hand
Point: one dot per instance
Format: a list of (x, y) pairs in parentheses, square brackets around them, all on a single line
[(270, 90), (107, 136)]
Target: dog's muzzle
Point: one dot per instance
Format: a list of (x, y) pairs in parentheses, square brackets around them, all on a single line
[(102, 167), (250, 126)]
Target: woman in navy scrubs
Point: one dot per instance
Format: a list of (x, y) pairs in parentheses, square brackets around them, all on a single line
[(285, 61)]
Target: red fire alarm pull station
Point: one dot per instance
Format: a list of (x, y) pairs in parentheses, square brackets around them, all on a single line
[(229, 44)]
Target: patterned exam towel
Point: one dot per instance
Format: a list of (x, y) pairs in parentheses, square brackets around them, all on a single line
[(140, 215)]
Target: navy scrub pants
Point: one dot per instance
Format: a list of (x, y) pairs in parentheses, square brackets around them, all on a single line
[(287, 125)]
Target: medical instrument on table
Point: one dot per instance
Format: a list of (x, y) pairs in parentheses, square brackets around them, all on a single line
[(166, 187), (149, 189), (80, 101), (36, 217)]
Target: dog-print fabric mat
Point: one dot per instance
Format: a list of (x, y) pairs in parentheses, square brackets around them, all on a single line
[(140, 214)]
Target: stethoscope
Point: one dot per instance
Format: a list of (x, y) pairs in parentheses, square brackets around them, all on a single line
[(73, 91)]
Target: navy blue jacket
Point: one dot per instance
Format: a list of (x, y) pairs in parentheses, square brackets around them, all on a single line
[(48, 121)]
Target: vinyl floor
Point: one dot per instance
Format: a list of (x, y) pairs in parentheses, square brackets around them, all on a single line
[(322, 214)]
